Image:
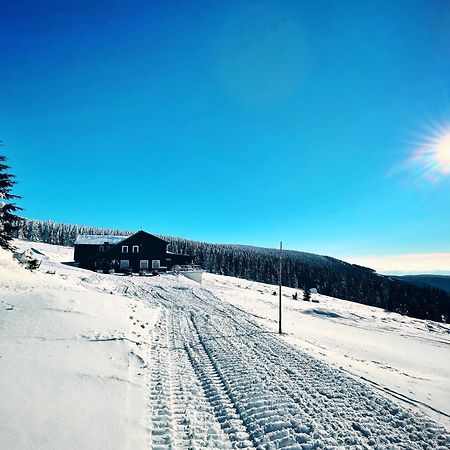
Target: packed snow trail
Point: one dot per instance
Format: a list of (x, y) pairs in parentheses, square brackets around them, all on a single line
[(219, 380), (180, 413)]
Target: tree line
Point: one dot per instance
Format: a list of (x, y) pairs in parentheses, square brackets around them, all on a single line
[(301, 270)]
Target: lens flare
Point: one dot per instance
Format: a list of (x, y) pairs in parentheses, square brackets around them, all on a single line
[(432, 158)]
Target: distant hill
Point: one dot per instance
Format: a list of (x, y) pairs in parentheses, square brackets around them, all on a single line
[(330, 276), (437, 281)]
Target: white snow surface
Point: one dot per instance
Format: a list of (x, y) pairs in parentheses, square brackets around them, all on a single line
[(93, 361), (99, 239), (405, 358), (71, 374)]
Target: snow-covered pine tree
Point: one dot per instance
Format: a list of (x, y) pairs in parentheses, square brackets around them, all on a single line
[(9, 222), (306, 294)]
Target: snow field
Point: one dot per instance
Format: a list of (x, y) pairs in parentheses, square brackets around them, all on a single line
[(267, 394), (72, 376), (401, 357), (164, 363)]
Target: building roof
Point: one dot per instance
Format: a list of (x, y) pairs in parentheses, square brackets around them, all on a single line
[(142, 232), (98, 239)]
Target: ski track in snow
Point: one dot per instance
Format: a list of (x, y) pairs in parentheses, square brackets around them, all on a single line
[(218, 380)]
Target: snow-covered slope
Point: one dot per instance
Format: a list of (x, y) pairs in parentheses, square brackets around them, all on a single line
[(404, 357), (71, 373), (99, 361)]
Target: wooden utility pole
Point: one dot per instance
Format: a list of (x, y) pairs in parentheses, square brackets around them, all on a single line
[(279, 289)]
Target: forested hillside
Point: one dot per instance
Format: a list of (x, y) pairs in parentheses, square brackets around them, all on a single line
[(59, 233), (329, 275), (438, 281)]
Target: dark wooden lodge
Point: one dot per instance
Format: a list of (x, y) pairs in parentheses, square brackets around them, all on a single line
[(141, 251)]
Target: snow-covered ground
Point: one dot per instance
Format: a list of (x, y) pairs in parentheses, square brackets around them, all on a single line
[(100, 361), (71, 374), (407, 358)]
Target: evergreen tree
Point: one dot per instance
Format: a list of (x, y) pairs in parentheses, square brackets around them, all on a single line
[(306, 294), (9, 222)]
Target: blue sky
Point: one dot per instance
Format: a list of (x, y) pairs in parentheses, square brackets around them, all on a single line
[(232, 122)]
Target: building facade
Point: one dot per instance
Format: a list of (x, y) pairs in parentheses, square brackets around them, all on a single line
[(140, 251)]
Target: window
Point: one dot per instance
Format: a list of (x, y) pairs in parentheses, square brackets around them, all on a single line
[(124, 263), (124, 248), (135, 248), (144, 264), (101, 248), (156, 264)]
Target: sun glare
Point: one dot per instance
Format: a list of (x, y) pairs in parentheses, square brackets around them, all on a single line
[(443, 153), (432, 158)]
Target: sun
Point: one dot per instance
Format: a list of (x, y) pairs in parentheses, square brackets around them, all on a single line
[(431, 159), (443, 153)]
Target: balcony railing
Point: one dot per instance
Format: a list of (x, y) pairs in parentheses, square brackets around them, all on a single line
[(187, 268)]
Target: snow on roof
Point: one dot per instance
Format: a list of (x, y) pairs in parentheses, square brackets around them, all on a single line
[(98, 239)]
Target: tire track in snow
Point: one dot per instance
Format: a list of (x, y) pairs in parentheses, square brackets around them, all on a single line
[(160, 395), (269, 411), (267, 394), (216, 392), (332, 400), (180, 416)]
